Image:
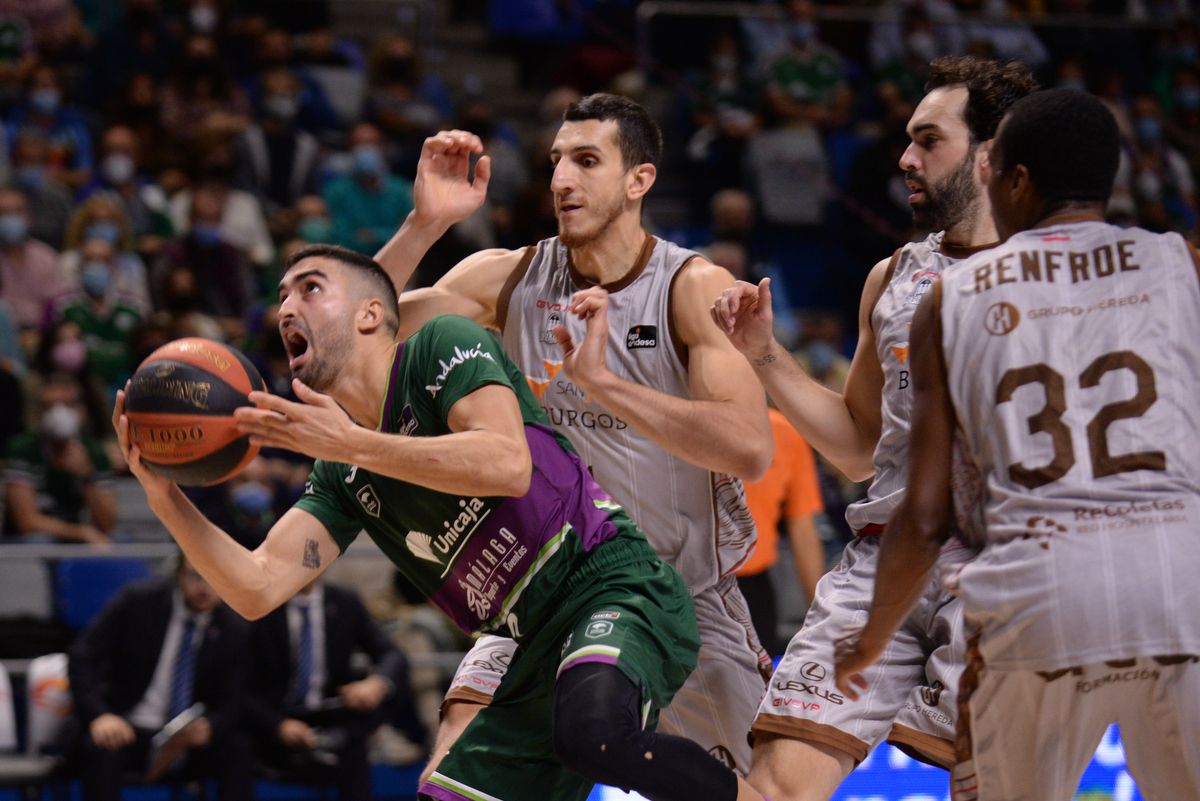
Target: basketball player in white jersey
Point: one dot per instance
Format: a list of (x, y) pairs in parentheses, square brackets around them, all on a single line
[(808, 736), (1065, 364), (611, 327)]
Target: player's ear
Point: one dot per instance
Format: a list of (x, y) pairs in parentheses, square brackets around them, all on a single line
[(1020, 186), (641, 178), (370, 316)]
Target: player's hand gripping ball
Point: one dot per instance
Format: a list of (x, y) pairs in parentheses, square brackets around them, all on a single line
[(180, 405)]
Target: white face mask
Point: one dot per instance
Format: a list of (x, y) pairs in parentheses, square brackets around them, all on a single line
[(117, 167), (61, 422), (204, 18)]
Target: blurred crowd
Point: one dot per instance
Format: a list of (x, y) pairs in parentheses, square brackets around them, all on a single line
[(160, 159)]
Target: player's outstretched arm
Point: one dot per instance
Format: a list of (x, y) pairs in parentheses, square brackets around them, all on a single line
[(843, 427), (919, 527), (471, 289), (297, 549), (723, 427), (445, 192)]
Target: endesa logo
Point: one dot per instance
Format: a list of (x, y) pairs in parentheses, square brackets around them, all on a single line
[(642, 336)]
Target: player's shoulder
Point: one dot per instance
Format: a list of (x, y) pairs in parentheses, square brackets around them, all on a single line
[(493, 260), (699, 275), (448, 327)]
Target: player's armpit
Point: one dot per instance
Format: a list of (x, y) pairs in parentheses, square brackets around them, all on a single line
[(863, 392), (472, 288), (717, 372)]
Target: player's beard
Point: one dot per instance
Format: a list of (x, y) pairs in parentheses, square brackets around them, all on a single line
[(325, 364), (606, 214), (951, 200)]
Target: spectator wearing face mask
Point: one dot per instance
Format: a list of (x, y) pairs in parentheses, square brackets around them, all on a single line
[(203, 272), (105, 316), (367, 203), (120, 176), (407, 102), (241, 219), (57, 476), (101, 218), (314, 112), (1155, 174), (201, 100), (806, 81), (30, 275), (276, 160), (44, 114), (313, 223), (49, 200)]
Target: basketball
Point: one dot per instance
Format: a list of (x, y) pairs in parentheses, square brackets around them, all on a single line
[(180, 406)]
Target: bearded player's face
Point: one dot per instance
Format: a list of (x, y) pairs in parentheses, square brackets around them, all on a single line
[(316, 321), (939, 163)]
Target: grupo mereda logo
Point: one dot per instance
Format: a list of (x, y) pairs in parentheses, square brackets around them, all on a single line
[(1001, 318)]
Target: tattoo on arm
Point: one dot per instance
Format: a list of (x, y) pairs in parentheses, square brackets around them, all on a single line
[(762, 361), (312, 556)]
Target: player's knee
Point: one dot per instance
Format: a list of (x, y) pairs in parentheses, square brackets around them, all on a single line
[(593, 747)]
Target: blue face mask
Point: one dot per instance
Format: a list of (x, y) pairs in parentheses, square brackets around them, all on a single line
[(105, 230), (1188, 97), (821, 357), (96, 278), (1149, 130), (315, 229), (802, 33), (368, 160), (13, 228), (252, 497), (45, 100), (206, 234), (30, 176)]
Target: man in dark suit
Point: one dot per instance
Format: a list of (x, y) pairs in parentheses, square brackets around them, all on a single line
[(156, 651), (312, 711)]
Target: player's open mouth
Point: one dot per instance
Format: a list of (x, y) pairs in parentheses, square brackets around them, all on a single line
[(917, 190), (296, 345), (567, 208)]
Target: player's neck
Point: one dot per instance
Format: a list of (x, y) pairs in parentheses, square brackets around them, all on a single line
[(972, 232), (1070, 213), (363, 385), (609, 258)]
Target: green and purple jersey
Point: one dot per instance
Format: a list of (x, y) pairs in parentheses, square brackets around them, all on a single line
[(492, 564)]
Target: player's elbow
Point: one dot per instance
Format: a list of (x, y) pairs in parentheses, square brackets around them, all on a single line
[(858, 469), (515, 473), (754, 463)]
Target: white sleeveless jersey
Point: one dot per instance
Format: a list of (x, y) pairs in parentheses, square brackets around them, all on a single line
[(695, 519), (916, 266), (1073, 358)]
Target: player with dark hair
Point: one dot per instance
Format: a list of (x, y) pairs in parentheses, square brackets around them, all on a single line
[(611, 327), (1080, 607), (808, 736), (436, 448)]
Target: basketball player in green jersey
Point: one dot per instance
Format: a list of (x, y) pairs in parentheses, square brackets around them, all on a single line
[(438, 450)]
